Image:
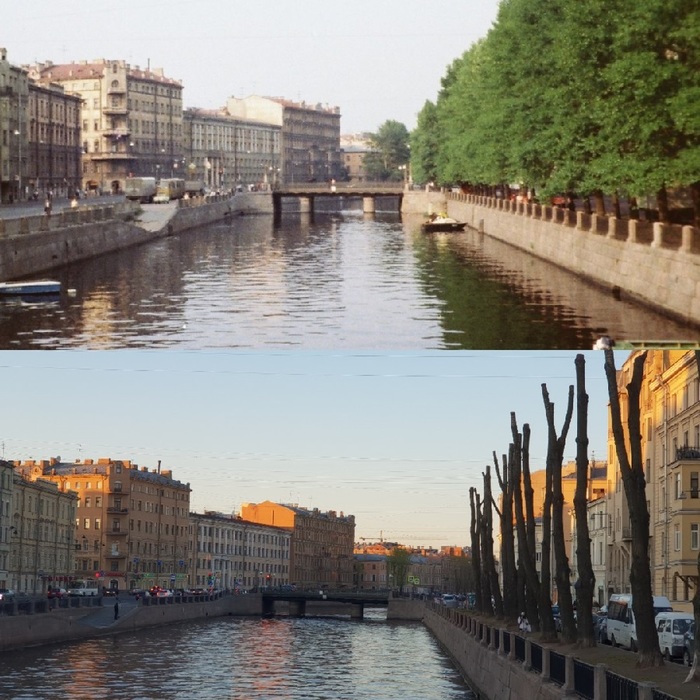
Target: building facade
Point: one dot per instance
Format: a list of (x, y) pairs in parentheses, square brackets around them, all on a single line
[(321, 553), (310, 135), (131, 120), (42, 534), (14, 98), (226, 153), (131, 524), (670, 426), (230, 553)]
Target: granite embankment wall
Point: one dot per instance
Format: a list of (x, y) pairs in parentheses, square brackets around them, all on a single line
[(65, 624), (37, 244), (653, 263)]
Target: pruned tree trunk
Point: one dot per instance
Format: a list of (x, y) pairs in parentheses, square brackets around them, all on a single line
[(487, 540), (662, 204), (555, 457), (599, 202), (508, 567), (475, 532), (526, 555), (632, 472), (585, 585)]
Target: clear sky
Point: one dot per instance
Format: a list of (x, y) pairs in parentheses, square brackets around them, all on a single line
[(375, 59), (396, 440)]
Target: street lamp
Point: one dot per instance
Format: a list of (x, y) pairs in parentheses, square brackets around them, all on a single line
[(18, 134)]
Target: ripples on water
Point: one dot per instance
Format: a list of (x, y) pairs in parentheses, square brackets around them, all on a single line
[(242, 659), (345, 281)]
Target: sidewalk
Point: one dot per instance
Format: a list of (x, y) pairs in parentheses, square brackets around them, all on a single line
[(103, 616)]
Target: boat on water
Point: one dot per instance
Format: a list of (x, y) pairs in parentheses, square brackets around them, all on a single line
[(441, 222), (30, 287)]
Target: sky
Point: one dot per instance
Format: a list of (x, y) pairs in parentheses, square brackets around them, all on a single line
[(396, 440), (375, 59)]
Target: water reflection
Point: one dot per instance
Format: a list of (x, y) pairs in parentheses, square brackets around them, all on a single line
[(242, 659), (342, 280)]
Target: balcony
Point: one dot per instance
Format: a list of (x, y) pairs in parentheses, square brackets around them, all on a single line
[(117, 533), (687, 454), (115, 111), (119, 90), (117, 133), (116, 555), (112, 155), (111, 509)]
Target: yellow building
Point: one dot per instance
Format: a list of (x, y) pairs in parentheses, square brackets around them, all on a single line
[(321, 551), (670, 426), (132, 524), (41, 535)]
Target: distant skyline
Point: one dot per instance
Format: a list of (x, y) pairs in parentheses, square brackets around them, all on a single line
[(374, 60), (394, 439)]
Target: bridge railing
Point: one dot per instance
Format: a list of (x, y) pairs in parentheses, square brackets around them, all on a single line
[(340, 187)]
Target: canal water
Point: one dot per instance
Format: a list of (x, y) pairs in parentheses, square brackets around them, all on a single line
[(242, 659), (341, 280)]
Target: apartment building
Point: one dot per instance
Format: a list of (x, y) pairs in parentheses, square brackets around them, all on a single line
[(228, 552), (670, 426), (41, 535), (131, 119), (14, 97), (310, 135), (227, 153), (321, 549), (131, 524)]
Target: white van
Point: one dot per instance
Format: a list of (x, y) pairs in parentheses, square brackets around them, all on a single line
[(671, 628), (622, 630)]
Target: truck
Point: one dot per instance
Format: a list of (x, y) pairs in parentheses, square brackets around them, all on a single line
[(195, 188), (168, 189), (140, 189), (83, 588)]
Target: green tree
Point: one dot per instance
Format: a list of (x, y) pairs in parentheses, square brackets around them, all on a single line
[(398, 562), (390, 152), (424, 142)]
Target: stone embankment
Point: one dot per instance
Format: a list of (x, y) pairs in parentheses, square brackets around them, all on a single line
[(655, 264), (33, 245), (71, 621)]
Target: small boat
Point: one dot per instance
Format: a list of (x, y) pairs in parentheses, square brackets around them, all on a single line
[(30, 287), (443, 223)]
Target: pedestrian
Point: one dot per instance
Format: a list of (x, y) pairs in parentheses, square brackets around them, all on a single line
[(523, 623), (116, 608), (47, 206)]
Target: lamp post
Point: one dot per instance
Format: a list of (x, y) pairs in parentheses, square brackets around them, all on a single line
[(18, 134)]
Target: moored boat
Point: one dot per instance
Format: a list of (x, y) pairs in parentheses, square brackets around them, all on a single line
[(443, 223), (30, 287)]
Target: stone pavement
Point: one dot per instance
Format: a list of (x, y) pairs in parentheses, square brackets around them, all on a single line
[(103, 617)]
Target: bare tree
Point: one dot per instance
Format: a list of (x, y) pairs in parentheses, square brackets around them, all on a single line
[(586, 578), (633, 480), (487, 541), (526, 549), (508, 567), (555, 457), (475, 532)]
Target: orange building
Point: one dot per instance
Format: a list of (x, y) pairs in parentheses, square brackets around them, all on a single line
[(132, 524), (321, 550)]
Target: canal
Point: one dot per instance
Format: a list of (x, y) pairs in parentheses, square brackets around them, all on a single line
[(242, 659), (341, 280)]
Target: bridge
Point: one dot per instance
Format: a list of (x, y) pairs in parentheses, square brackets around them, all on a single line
[(307, 193), (350, 602)]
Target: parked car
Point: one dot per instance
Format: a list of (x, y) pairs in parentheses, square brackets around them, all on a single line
[(450, 601), (6, 595), (56, 592), (689, 645), (671, 628)]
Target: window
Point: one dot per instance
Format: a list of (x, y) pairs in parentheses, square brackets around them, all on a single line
[(86, 523), (694, 484), (679, 485), (677, 537), (694, 536)]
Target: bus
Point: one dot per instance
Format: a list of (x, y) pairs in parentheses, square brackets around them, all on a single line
[(622, 629), (83, 587), (169, 188), (140, 189)]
